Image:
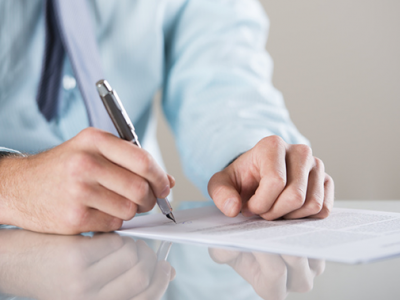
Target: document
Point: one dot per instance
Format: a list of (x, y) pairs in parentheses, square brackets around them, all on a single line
[(347, 235)]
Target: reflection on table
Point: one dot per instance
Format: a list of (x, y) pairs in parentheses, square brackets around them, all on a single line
[(109, 266)]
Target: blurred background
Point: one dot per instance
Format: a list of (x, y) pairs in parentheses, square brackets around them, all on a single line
[(337, 64)]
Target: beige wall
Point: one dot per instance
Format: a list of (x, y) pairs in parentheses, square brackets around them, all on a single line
[(337, 64)]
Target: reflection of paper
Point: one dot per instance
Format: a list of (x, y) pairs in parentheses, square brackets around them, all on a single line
[(347, 235)]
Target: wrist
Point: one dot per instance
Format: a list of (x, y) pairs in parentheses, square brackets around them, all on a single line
[(8, 185)]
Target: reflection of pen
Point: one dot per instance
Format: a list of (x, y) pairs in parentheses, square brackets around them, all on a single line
[(163, 251), (125, 129)]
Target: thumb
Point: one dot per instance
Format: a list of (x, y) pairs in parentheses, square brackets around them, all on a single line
[(171, 181), (222, 190)]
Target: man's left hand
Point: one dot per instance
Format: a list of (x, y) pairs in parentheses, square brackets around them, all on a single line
[(274, 179)]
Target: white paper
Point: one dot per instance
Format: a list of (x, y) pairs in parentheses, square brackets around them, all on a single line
[(347, 235)]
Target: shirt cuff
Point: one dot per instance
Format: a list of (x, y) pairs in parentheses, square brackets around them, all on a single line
[(7, 151)]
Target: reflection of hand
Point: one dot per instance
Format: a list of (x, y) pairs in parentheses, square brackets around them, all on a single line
[(106, 266), (90, 183), (272, 276), (273, 180)]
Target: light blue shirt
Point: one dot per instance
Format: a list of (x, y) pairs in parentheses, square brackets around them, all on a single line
[(207, 56)]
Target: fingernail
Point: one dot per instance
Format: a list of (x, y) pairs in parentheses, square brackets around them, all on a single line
[(230, 207), (247, 213), (166, 268), (173, 274), (165, 192)]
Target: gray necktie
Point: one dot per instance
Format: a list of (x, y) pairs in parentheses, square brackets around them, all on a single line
[(70, 22)]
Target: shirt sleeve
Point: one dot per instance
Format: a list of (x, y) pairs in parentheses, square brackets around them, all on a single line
[(7, 150), (218, 94)]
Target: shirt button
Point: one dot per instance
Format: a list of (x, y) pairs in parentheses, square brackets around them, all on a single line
[(68, 82)]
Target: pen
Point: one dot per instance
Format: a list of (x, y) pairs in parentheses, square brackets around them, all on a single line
[(163, 251), (125, 129)]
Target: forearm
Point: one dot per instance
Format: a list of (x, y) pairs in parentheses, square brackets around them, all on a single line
[(14, 265)]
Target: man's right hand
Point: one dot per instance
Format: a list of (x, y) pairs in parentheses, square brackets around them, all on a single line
[(92, 182)]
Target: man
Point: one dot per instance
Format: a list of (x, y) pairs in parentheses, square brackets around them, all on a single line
[(231, 126)]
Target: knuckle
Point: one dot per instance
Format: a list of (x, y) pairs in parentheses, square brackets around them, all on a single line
[(93, 132), (81, 162), (91, 136), (142, 281), (148, 205), (130, 260), (87, 134), (115, 224), (269, 217), (146, 162), (77, 219), (296, 198), (274, 141), (79, 191), (303, 151), (278, 181), (324, 213), (142, 188), (130, 211), (257, 207), (315, 205), (90, 131)]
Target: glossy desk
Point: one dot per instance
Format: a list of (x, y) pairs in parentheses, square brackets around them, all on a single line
[(108, 266)]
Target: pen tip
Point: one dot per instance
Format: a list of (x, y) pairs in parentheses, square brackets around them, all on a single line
[(171, 217)]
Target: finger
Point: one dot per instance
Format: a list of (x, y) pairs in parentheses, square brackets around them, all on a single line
[(300, 276), (144, 269), (173, 274), (159, 283), (135, 280), (272, 169), (265, 272), (329, 196), (223, 256), (315, 193), (246, 266), (134, 159), (114, 265), (89, 219), (127, 184), (317, 265), (271, 281), (222, 190), (111, 203), (93, 249), (299, 162)]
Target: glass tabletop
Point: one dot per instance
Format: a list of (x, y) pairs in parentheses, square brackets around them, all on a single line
[(110, 266)]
